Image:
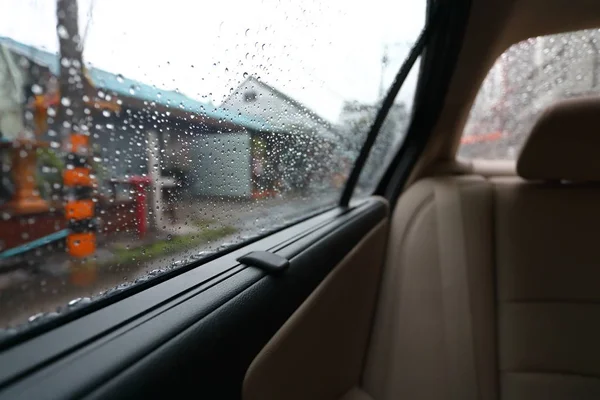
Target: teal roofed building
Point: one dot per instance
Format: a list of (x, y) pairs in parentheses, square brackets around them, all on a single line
[(158, 131), (259, 142), (136, 90)]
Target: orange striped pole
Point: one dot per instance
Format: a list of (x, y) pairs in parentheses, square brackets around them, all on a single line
[(79, 207), (77, 178)]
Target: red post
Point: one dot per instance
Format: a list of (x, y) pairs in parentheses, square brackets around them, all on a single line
[(140, 185)]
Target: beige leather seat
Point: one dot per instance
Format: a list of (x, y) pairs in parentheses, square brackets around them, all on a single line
[(490, 290), (492, 285)]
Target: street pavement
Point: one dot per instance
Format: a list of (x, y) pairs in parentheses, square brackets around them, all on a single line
[(55, 282)]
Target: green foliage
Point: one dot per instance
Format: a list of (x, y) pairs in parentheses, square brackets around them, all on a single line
[(54, 161), (175, 245), (203, 222), (48, 158)]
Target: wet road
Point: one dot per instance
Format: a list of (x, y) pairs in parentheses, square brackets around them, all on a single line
[(28, 293)]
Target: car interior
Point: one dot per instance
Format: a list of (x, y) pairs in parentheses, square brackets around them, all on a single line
[(456, 279)]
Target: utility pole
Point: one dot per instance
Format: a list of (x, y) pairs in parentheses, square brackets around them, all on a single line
[(594, 46), (385, 61), (71, 76), (74, 94)]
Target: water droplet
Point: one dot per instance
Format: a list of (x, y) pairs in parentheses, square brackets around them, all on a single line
[(35, 317), (62, 32)]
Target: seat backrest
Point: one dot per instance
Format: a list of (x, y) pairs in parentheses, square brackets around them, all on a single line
[(531, 255), (547, 258), (410, 356)]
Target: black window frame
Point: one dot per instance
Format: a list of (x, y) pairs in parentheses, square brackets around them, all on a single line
[(22, 360)]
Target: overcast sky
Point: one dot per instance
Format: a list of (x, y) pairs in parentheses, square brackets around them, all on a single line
[(320, 52)]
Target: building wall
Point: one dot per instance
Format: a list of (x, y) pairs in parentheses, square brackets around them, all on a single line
[(221, 165), (122, 147), (256, 100)]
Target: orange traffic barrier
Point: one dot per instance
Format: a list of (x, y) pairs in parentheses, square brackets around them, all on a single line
[(78, 176), (81, 244), (79, 209), (78, 142), (488, 137)]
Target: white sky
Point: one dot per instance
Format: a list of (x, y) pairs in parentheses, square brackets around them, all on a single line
[(320, 52)]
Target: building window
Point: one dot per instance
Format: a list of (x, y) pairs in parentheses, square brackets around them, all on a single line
[(250, 96)]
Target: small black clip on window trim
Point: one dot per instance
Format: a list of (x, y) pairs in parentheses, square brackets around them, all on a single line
[(269, 262)]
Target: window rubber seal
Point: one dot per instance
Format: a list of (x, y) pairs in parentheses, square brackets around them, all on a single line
[(430, 96), (387, 103)]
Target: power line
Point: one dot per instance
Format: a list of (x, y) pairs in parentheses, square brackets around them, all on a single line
[(87, 26)]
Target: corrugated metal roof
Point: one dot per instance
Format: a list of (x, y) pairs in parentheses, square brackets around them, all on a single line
[(132, 88)]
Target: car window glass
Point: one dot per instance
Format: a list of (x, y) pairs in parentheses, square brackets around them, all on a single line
[(137, 136), (390, 137), (524, 81)]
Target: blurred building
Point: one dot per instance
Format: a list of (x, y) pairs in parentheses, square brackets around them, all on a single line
[(257, 99), (356, 119), (258, 142), (150, 131), (171, 120), (283, 154)]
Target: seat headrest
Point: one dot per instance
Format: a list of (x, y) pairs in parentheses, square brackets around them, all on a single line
[(564, 143)]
